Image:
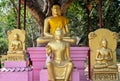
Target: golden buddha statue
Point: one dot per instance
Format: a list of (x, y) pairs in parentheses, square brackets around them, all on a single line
[(60, 68), (103, 43), (52, 23), (16, 45), (104, 57), (55, 21)]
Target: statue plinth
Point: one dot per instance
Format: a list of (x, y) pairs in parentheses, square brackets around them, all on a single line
[(105, 76), (16, 57), (14, 64), (38, 57), (13, 76)]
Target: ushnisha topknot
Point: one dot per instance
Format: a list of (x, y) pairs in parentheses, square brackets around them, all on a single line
[(56, 3)]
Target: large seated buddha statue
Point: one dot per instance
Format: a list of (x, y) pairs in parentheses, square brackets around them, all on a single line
[(52, 23), (16, 46), (61, 66), (56, 20)]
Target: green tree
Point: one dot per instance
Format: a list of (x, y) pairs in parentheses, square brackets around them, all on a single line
[(77, 13), (8, 21), (38, 11)]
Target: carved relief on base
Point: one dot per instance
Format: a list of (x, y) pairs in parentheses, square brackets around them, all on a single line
[(17, 57), (105, 76)]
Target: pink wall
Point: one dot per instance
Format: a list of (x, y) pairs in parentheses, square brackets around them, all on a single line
[(16, 76), (38, 57)]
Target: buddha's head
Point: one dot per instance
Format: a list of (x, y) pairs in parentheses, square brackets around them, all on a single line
[(104, 43), (58, 34), (56, 10), (16, 37)]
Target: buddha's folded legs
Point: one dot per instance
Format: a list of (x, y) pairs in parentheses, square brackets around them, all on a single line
[(113, 66), (99, 66)]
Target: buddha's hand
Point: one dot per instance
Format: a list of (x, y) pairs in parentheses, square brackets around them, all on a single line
[(48, 50), (109, 59), (11, 48)]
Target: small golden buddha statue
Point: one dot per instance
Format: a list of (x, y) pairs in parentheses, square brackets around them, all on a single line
[(16, 45), (104, 57), (61, 66)]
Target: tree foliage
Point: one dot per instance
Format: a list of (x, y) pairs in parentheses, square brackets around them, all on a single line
[(77, 14), (8, 21)]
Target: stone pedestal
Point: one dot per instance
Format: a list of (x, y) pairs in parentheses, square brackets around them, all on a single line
[(16, 71), (105, 75), (15, 64), (16, 57), (16, 76), (38, 57)]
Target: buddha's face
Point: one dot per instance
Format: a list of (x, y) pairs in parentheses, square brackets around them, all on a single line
[(104, 43), (15, 37), (56, 10)]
